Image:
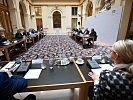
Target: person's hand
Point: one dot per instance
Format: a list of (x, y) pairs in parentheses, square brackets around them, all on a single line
[(9, 73), (93, 76)]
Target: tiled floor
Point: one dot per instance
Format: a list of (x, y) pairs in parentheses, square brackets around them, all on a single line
[(64, 94)]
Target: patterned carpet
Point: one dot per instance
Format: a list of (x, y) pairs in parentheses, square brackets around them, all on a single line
[(55, 44)]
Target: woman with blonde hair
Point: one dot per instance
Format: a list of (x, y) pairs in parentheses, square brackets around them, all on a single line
[(116, 84)]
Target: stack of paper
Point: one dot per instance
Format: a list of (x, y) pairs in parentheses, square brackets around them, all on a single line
[(33, 74), (8, 66)]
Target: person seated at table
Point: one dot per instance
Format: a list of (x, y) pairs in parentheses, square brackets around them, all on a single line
[(33, 31), (2, 38), (86, 32), (80, 31), (116, 84), (25, 33), (12, 84), (18, 35), (93, 33), (76, 30)]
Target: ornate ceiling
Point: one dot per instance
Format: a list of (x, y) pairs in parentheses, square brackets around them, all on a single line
[(43, 2), (55, 0)]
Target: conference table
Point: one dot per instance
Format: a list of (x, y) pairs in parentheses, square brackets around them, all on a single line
[(83, 38), (61, 77), (6, 48)]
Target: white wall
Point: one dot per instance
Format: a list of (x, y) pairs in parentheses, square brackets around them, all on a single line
[(106, 24), (47, 19)]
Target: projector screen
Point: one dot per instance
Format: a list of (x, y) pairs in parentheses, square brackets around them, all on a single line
[(106, 24)]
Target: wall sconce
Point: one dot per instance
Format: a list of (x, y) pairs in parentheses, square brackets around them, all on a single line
[(33, 14), (79, 14)]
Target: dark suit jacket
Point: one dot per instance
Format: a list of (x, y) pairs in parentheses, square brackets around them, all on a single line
[(18, 36), (10, 85), (26, 33), (2, 39), (94, 34)]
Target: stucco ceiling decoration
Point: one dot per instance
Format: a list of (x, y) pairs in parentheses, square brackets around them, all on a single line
[(55, 0), (59, 2)]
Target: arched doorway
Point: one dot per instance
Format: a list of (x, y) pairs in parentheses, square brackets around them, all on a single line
[(56, 19)]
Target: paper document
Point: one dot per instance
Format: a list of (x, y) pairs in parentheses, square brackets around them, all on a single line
[(37, 61), (8, 65), (33, 74), (103, 67)]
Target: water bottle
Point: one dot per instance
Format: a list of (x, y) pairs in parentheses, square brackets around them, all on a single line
[(18, 60), (51, 62), (43, 65), (103, 59), (39, 60), (64, 58)]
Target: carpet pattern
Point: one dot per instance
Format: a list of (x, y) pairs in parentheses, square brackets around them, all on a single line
[(55, 44)]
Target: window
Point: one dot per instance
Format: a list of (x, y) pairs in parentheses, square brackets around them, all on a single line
[(74, 22), (74, 10), (56, 19)]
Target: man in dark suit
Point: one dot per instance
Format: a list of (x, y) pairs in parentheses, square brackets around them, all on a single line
[(2, 38), (86, 32), (18, 35), (80, 31), (12, 84), (25, 33), (93, 33)]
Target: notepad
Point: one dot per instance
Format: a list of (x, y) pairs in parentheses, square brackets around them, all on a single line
[(99, 70), (33, 74), (103, 67), (37, 61)]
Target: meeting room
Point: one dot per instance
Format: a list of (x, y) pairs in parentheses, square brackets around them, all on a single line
[(66, 49)]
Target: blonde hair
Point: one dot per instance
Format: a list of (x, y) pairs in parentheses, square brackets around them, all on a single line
[(124, 48)]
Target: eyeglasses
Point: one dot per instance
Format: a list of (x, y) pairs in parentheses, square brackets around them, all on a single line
[(114, 51)]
